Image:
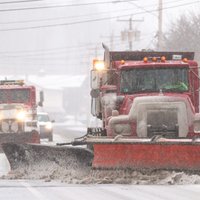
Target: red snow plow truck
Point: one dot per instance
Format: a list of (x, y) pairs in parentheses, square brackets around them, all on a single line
[(18, 123), (149, 106)]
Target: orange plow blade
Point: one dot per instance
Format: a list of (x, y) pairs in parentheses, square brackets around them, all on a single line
[(141, 154)]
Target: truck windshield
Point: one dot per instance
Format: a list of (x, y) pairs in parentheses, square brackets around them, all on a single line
[(14, 96), (153, 80)]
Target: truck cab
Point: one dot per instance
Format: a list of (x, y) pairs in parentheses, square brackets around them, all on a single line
[(18, 112), (143, 94)]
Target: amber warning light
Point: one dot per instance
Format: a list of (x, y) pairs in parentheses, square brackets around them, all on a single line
[(145, 59), (98, 65), (185, 60), (163, 58), (122, 62), (154, 59)]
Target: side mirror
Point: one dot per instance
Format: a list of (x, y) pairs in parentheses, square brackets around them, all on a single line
[(40, 103), (94, 80)]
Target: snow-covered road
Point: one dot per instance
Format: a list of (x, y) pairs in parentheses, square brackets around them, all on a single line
[(4, 165), (53, 190), (40, 190)]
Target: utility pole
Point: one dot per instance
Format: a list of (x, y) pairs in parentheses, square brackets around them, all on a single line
[(160, 16), (130, 31)]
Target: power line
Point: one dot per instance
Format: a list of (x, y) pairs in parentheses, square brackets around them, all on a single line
[(86, 15), (69, 17), (93, 20), (35, 59), (38, 64), (50, 49), (38, 54), (21, 1), (46, 52), (142, 8), (148, 11), (62, 6)]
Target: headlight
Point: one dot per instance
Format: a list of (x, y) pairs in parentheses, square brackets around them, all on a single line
[(49, 126), (21, 115)]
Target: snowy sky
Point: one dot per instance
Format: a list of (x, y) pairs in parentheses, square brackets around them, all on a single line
[(56, 34)]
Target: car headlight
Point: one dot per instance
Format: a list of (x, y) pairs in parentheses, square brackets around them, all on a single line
[(21, 115), (49, 126)]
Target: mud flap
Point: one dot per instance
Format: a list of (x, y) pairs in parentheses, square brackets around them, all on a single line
[(34, 156)]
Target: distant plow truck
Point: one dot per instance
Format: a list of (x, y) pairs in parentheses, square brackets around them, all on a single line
[(18, 112), (149, 104)]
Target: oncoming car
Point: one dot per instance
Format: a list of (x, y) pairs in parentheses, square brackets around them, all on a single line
[(45, 126)]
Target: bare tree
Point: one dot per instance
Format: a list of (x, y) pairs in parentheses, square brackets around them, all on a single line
[(184, 35)]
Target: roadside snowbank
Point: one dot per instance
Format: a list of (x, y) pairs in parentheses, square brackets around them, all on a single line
[(88, 176)]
